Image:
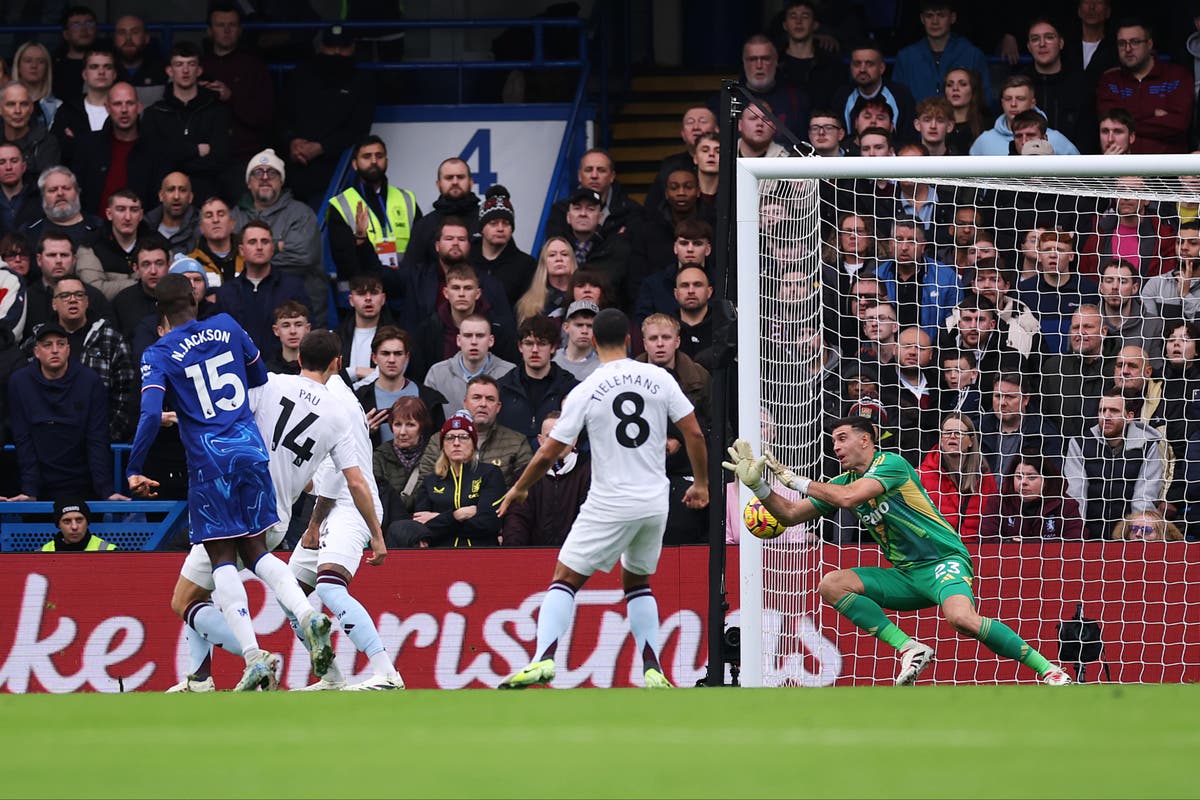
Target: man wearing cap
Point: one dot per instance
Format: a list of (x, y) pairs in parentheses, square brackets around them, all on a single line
[(371, 221), (71, 517), (594, 249), (58, 410), (294, 225), (618, 211), (495, 251), (328, 107), (108, 262), (189, 127), (578, 356), (537, 386), (95, 343)]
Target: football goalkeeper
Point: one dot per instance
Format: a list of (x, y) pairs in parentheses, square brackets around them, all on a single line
[(931, 565)]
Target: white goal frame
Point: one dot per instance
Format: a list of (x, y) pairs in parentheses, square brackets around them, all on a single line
[(749, 173)]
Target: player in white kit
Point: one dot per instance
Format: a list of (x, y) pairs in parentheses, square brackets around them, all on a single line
[(303, 427), (332, 546), (625, 406)]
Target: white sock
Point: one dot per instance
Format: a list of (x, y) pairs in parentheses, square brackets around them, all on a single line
[(381, 664), (558, 606), (642, 610), (199, 650), (283, 583), (230, 596)]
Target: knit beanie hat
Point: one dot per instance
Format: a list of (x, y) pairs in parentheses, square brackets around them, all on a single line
[(461, 421), (496, 205), (267, 158)]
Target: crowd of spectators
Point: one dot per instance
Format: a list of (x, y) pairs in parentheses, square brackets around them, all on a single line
[(1034, 358), (1031, 353)]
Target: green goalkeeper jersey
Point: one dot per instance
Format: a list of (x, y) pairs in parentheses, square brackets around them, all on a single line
[(903, 520)]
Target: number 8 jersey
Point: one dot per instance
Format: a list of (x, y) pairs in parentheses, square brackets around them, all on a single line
[(625, 406)]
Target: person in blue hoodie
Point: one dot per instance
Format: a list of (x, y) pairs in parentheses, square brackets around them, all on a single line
[(922, 65), (59, 414), (1016, 96)]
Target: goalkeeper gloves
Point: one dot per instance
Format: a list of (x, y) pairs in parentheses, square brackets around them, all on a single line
[(785, 475), (747, 468)]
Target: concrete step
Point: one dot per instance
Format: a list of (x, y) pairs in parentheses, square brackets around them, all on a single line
[(624, 153), (710, 83), (649, 129)]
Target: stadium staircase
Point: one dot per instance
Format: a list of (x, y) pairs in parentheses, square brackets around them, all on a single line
[(645, 130)]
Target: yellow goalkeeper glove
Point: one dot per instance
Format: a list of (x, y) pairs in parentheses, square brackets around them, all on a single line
[(748, 469), (785, 475)]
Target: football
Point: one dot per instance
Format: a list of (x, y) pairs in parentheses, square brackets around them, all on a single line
[(761, 522)]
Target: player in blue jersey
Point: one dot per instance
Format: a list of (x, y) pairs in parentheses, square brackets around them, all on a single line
[(205, 368)]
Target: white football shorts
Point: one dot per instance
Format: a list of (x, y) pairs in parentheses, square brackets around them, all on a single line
[(595, 545), (197, 567), (344, 536)]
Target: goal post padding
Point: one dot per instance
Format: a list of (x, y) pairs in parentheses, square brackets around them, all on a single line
[(791, 370)]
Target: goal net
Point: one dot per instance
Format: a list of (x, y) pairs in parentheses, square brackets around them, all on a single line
[(1025, 332)]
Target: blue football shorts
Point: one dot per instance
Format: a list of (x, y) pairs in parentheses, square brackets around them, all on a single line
[(239, 504)]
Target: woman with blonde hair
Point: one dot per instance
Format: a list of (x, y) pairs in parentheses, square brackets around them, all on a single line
[(1146, 526), (555, 266), (455, 505), (956, 477), (33, 68)]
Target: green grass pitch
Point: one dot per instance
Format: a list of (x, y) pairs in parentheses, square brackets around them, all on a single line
[(976, 742)]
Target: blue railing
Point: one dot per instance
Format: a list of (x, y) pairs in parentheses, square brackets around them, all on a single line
[(123, 523)]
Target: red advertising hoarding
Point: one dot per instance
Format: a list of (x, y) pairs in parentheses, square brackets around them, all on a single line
[(456, 619)]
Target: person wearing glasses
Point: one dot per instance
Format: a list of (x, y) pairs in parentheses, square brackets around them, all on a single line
[(79, 36), (96, 343), (537, 386), (956, 477), (1158, 94), (456, 504)]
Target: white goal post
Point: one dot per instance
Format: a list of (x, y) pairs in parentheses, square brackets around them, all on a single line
[(791, 382)]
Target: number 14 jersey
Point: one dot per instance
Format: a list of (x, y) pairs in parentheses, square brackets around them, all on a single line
[(625, 405), (302, 423)]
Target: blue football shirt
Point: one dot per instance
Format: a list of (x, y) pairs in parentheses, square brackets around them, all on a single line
[(205, 367)]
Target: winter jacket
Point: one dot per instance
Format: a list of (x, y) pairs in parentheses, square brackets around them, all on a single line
[(41, 150), (130, 306), (425, 230), (436, 337), (938, 294), (22, 210), (106, 352), (621, 214), (174, 130), (106, 265), (251, 100), (254, 306), (514, 269), (517, 410), (60, 428), (895, 94), (184, 239), (220, 269), (481, 485), (1070, 387), (92, 161), (1006, 517), (1156, 246), (545, 517), (916, 68), (420, 294), (1109, 484), (392, 477), (999, 448), (1168, 87), (13, 300), (962, 512), (502, 447), (1067, 99), (997, 141)]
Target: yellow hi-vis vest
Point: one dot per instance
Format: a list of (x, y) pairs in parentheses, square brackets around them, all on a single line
[(401, 206), (95, 544)]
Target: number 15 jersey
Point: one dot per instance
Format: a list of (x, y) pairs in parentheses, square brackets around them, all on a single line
[(625, 405)]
